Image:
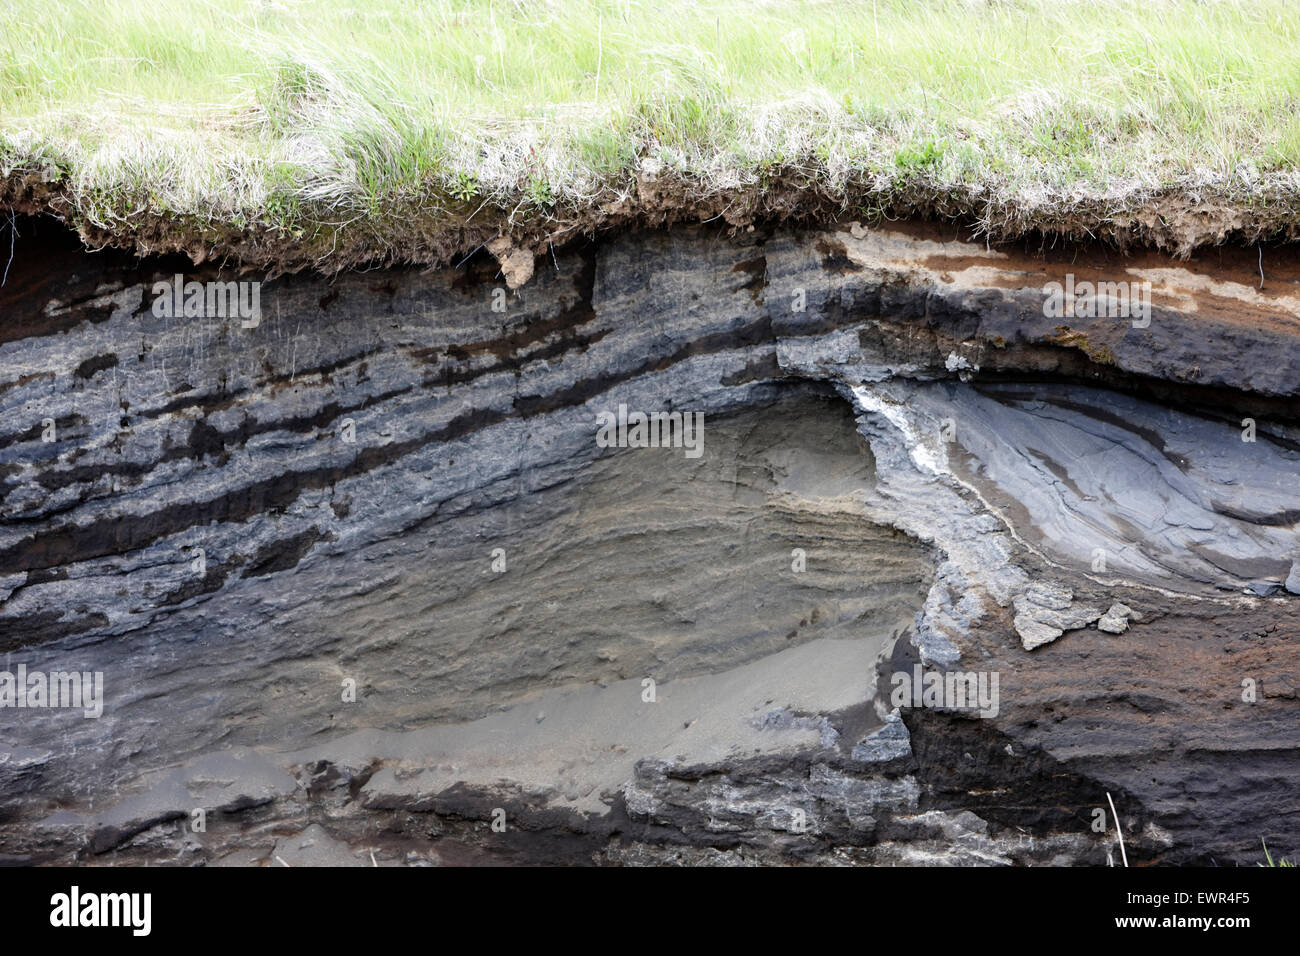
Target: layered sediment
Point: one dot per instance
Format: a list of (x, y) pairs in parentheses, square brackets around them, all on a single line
[(362, 582)]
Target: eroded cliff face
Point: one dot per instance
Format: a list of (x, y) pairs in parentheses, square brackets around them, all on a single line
[(362, 582)]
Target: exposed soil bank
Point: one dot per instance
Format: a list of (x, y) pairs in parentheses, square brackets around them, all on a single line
[(895, 404)]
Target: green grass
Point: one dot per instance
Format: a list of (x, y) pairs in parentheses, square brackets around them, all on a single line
[(1269, 858), (327, 118)]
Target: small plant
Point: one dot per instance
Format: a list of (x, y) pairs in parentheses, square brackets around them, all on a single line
[(919, 156), (1269, 857), (538, 191), (465, 187)]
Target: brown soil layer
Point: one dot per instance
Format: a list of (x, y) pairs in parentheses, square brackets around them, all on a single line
[(1174, 221)]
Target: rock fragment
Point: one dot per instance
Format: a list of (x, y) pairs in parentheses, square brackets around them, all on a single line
[(1115, 620), (516, 264), (1034, 634), (1045, 611), (1046, 594), (889, 742)]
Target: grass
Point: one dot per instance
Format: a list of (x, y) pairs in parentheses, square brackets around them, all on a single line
[(371, 122), (1269, 858)]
